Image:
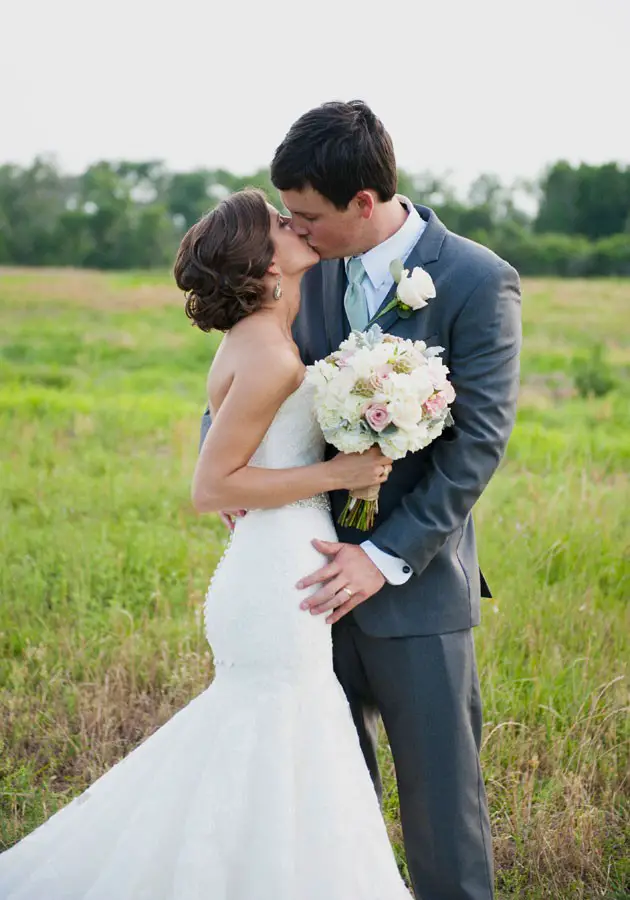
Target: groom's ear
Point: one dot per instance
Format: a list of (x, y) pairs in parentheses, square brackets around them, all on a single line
[(365, 203)]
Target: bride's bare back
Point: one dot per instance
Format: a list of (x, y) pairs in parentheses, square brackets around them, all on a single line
[(255, 348)]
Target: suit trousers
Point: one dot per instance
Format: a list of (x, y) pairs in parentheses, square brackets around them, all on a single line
[(426, 690)]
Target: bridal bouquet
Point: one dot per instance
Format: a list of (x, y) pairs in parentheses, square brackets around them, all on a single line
[(380, 389)]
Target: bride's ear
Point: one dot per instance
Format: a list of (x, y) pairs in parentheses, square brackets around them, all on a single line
[(274, 269)]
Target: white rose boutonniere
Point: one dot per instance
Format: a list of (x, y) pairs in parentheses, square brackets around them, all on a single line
[(414, 291)]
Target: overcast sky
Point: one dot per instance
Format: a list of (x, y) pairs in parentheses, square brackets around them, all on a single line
[(462, 85)]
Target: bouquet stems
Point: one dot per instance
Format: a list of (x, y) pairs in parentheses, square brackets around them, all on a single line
[(361, 508)]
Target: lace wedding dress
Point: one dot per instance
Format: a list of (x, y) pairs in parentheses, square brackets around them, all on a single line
[(257, 790)]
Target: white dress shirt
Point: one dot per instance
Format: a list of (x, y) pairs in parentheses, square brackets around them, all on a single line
[(376, 284), (377, 261)]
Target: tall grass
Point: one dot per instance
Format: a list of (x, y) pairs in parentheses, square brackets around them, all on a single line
[(104, 566)]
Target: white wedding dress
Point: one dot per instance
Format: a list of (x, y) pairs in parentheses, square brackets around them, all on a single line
[(257, 789)]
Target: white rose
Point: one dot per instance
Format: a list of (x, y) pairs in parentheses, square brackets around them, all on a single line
[(405, 411), (420, 384), (417, 385), (405, 395), (414, 290), (438, 372)]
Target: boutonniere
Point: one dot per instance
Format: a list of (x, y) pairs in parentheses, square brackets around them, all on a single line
[(414, 290)]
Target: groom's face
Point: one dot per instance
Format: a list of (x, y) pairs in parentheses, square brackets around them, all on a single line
[(332, 232)]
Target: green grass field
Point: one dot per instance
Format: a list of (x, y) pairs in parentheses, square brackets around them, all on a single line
[(104, 565)]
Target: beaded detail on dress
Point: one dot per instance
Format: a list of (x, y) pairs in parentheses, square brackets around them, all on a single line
[(319, 501)]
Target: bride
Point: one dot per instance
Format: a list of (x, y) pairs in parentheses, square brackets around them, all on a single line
[(257, 790)]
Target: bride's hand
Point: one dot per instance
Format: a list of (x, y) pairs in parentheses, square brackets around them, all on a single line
[(228, 516), (355, 471)]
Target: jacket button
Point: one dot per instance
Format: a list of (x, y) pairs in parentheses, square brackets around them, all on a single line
[(406, 569)]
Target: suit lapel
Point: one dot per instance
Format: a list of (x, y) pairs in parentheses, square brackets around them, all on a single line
[(425, 251), (385, 322), (334, 286)]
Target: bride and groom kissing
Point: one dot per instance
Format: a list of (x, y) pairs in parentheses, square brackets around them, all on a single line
[(267, 785)]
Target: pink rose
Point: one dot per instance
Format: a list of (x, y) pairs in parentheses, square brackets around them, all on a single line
[(343, 359), (376, 415), (448, 392), (435, 404)]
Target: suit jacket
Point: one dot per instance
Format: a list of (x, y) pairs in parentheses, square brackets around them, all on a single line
[(425, 506)]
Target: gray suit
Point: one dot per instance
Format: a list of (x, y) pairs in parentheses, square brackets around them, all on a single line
[(407, 653)]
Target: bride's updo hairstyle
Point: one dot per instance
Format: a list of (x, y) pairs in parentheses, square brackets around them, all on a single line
[(222, 261)]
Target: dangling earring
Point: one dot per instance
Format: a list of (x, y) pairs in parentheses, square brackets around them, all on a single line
[(277, 292)]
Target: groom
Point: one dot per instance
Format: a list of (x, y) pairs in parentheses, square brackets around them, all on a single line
[(405, 600)]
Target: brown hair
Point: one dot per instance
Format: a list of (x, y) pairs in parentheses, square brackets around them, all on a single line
[(338, 149), (222, 261)]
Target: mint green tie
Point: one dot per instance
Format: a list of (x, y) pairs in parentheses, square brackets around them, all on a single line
[(355, 301)]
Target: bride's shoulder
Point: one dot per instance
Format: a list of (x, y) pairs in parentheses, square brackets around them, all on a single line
[(262, 364)]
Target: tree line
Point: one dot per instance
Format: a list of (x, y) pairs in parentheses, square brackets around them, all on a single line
[(122, 215)]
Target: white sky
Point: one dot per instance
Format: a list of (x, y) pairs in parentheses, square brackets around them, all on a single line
[(462, 85)]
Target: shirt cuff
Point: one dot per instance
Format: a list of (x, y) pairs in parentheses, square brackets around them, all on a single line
[(395, 570)]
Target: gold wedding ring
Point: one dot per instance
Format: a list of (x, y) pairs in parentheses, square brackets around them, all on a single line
[(348, 592)]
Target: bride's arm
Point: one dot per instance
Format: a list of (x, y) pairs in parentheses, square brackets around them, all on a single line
[(224, 480)]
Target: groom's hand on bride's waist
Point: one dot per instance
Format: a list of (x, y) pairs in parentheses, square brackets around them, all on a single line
[(348, 578)]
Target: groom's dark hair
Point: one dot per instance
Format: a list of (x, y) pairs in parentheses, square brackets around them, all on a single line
[(338, 149)]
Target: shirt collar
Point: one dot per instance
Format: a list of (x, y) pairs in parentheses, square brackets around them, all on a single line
[(377, 261)]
